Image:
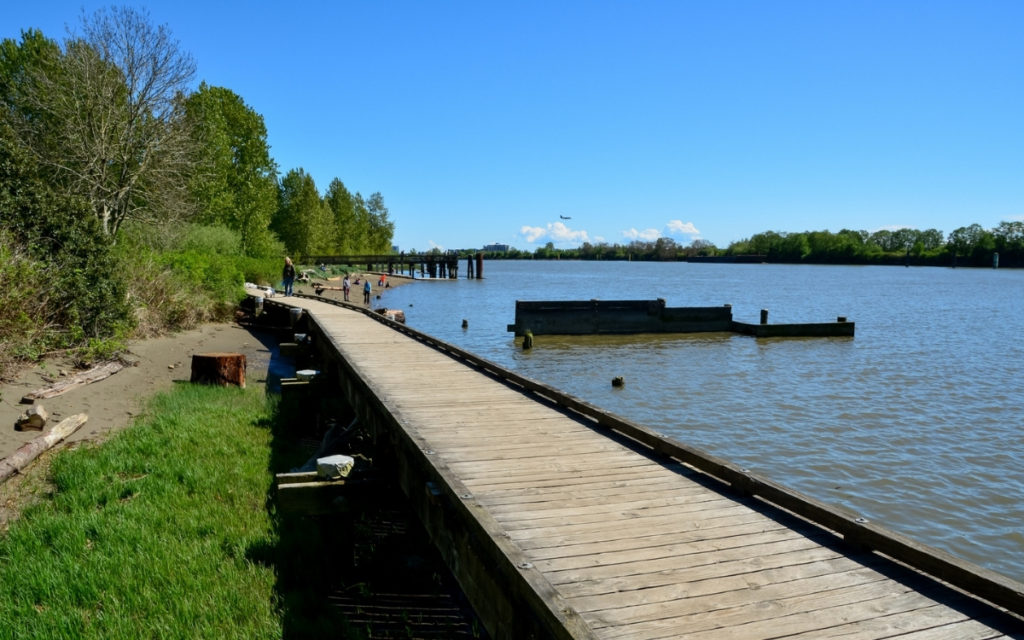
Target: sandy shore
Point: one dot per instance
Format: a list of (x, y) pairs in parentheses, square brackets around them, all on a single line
[(159, 363)]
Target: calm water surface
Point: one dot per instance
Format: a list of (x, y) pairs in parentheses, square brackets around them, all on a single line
[(915, 423)]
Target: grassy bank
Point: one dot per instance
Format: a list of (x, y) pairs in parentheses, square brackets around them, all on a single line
[(159, 532)]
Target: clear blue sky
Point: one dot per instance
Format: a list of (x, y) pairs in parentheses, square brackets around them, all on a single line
[(484, 122)]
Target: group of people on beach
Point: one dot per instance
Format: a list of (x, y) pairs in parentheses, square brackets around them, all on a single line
[(288, 278)]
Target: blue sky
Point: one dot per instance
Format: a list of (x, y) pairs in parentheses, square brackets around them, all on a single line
[(486, 122)]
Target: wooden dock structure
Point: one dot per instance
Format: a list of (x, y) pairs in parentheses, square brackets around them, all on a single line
[(432, 264), (560, 520), (593, 317)]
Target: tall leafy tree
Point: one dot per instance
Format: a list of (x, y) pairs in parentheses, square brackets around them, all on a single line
[(360, 224), (84, 297), (235, 179), (102, 115), (381, 229), (970, 240), (341, 204), (302, 220)]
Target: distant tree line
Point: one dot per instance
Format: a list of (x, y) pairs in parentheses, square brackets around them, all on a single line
[(124, 188), (965, 246)]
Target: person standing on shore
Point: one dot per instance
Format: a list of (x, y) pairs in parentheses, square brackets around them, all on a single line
[(366, 292), (345, 286), (288, 275)]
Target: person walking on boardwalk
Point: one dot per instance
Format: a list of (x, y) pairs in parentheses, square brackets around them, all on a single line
[(288, 275), (366, 291), (345, 286)]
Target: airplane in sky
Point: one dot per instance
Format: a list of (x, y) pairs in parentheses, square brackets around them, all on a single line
[(565, 217)]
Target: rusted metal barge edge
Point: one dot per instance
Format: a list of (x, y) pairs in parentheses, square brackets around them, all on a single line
[(595, 317)]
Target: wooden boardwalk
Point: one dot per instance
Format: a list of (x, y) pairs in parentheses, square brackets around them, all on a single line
[(621, 544)]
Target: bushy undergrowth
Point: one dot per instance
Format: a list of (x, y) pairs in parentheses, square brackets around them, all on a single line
[(159, 532), (85, 303), (59, 287), (21, 305), (185, 276)]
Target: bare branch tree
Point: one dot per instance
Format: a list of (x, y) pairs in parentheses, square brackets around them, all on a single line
[(108, 118)]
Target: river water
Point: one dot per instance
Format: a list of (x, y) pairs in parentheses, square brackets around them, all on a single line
[(914, 423)]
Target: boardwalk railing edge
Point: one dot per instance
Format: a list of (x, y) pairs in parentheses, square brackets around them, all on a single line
[(978, 581)]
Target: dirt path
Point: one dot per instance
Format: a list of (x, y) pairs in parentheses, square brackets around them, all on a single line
[(159, 363), (110, 404)]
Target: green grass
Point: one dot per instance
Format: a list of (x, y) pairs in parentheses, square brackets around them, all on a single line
[(161, 532)]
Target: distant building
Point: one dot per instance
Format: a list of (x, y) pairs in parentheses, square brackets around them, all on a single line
[(496, 248)]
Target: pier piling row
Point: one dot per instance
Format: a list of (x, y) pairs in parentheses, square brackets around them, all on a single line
[(429, 265), (560, 520)]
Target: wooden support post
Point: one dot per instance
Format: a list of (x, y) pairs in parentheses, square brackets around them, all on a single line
[(480, 265), (219, 368), (311, 497)]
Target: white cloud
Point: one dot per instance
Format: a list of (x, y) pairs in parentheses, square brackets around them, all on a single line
[(646, 234), (561, 233), (557, 231), (685, 228), (532, 234)]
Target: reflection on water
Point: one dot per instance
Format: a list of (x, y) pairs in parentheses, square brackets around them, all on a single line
[(914, 423)]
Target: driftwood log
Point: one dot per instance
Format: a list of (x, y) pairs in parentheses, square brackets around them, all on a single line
[(31, 449), (219, 368), (86, 377)]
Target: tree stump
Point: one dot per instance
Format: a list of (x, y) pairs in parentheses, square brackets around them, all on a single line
[(219, 368)]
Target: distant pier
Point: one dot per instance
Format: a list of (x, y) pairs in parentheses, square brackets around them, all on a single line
[(430, 265)]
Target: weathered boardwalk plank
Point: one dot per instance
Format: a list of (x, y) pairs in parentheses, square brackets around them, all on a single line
[(625, 546)]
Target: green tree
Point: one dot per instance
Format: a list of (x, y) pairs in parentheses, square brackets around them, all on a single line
[(84, 297), (793, 247), (103, 117), (883, 239), (381, 228), (931, 239), (970, 242), (341, 205), (360, 230), (235, 180), (302, 221), (665, 249)]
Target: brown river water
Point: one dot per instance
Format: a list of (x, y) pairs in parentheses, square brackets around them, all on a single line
[(915, 423)]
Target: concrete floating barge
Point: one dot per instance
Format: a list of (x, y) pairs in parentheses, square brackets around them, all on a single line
[(590, 317)]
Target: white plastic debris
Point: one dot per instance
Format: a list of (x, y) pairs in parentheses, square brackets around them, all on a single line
[(334, 467)]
